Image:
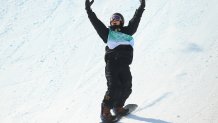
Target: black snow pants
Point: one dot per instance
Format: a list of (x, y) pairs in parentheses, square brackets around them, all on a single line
[(118, 75)]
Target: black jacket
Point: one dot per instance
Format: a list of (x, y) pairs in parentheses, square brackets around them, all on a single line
[(122, 53)]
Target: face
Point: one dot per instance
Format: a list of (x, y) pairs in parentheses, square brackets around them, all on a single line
[(115, 22)]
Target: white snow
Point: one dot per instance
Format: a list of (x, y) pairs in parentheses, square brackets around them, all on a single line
[(52, 61)]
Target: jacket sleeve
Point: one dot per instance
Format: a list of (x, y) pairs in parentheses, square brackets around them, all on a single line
[(101, 29), (134, 22)]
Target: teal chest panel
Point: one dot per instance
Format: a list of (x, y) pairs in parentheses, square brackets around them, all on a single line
[(119, 37)]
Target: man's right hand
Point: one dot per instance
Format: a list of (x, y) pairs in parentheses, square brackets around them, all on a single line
[(89, 4), (142, 3)]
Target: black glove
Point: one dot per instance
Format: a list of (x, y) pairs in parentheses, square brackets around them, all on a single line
[(89, 4), (142, 3)]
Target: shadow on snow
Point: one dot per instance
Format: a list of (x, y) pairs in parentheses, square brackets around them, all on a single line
[(150, 120)]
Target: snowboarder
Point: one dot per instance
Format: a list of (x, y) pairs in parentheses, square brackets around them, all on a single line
[(118, 57)]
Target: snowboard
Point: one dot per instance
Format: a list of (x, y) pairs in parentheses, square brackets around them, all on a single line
[(131, 108)]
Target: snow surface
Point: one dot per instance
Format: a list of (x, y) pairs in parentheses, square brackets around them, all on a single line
[(52, 67)]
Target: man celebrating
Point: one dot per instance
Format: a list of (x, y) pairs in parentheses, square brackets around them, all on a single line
[(118, 57)]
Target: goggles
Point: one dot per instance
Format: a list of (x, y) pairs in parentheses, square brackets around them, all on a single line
[(116, 18)]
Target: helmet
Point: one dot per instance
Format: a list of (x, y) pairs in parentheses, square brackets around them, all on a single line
[(117, 16)]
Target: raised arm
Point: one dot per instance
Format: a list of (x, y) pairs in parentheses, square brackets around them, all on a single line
[(101, 29), (134, 22)]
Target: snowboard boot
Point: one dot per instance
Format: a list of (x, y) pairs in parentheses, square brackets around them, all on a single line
[(106, 115), (120, 111)]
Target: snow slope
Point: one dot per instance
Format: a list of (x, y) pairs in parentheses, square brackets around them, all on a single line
[(52, 67)]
